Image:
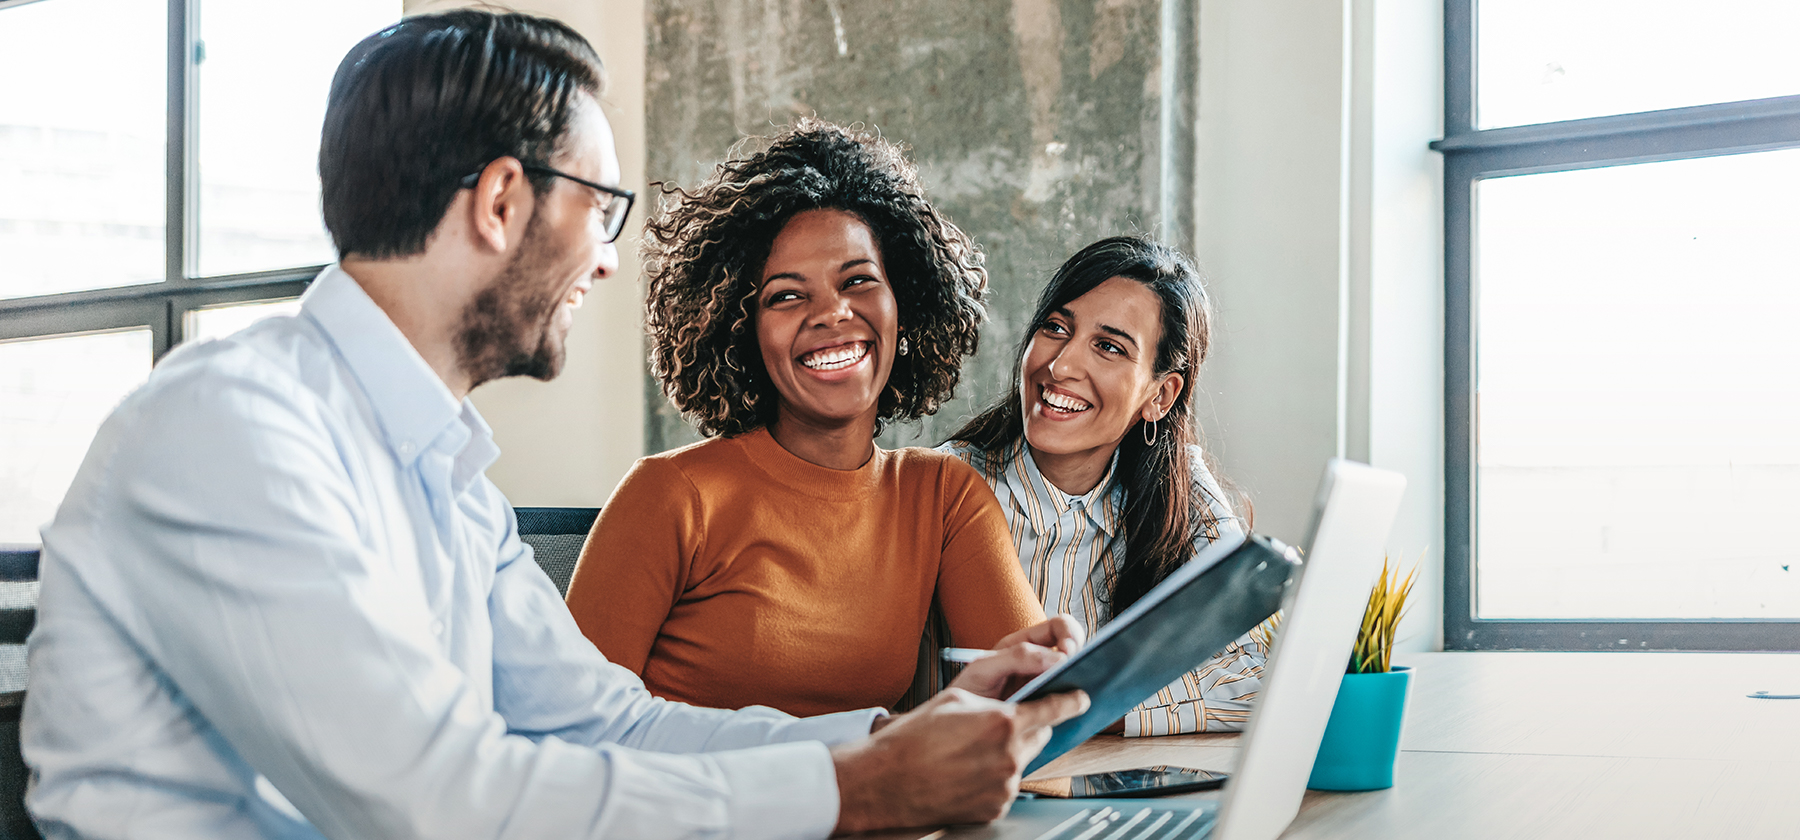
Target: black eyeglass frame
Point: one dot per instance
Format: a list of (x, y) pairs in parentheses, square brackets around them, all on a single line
[(612, 234)]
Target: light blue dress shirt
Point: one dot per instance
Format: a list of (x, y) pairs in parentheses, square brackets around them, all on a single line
[(282, 600)]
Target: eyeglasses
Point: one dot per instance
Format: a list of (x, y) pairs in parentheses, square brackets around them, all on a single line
[(613, 214)]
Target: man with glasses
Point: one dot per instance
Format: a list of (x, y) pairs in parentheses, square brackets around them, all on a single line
[(282, 600)]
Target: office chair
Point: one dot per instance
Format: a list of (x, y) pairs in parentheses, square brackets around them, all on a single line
[(555, 535), (18, 613)]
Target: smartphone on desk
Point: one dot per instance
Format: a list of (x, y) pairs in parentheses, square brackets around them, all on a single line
[(1143, 781)]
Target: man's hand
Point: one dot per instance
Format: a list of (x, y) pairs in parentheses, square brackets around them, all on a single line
[(955, 759), (1020, 657)]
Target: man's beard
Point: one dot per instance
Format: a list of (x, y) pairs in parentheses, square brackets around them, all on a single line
[(505, 330)]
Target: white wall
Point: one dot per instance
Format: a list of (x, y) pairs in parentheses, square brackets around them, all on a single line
[(1319, 225), (1397, 278), (569, 442), (1269, 203)]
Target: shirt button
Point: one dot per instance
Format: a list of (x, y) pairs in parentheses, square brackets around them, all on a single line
[(437, 627), (406, 448)]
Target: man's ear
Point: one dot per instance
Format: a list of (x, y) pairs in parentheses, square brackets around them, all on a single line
[(1163, 398), (502, 203)]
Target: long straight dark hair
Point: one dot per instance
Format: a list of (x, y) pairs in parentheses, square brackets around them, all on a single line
[(1165, 509)]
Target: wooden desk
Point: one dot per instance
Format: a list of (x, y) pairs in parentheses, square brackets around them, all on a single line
[(1555, 745)]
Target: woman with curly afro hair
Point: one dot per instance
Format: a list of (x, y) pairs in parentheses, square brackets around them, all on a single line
[(799, 298)]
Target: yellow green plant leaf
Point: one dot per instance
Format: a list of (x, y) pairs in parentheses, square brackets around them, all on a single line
[(1374, 650)]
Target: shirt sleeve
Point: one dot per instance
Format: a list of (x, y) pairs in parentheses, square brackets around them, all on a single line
[(313, 657), (636, 561), (1216, 697), (981, 590)]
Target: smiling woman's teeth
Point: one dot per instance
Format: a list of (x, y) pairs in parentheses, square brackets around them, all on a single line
[(1061, 402), (836, 358)]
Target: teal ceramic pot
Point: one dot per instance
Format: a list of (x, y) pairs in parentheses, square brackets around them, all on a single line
[(1363, 735)]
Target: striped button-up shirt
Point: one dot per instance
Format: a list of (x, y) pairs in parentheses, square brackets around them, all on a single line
[(1071, 545)]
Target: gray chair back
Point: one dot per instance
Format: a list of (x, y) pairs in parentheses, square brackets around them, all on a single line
[(18, 613), (555, 535)]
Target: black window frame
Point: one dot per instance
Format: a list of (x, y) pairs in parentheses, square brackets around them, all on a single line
[(161, 305), (1472, 154)]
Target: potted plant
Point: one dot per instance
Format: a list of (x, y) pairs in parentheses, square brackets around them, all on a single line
[(1363, 736)]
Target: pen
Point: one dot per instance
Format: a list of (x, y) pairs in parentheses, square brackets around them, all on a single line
[(963, 655)]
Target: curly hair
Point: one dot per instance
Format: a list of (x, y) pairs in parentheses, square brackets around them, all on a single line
[(704, 256)]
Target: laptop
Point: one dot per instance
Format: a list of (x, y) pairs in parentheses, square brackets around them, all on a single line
[(1352, 513)]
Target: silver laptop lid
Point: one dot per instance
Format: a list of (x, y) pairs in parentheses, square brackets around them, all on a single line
[(1354, 508)]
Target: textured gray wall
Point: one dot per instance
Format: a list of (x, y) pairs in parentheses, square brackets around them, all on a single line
[(1038, 126)]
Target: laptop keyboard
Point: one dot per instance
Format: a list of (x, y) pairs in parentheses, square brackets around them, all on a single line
[(1132, 823)]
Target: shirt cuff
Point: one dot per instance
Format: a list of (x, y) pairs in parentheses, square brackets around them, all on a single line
[(781, 791), (834, 728), (1134, 727)]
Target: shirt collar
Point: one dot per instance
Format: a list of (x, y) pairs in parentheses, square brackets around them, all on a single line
[(479, 453), (412, 406), (1043, 504)]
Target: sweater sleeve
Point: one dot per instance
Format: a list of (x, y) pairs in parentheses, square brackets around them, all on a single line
[(636, 562), (981, 589)]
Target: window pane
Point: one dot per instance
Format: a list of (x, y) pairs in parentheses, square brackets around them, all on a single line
[(221, 321), (81, 145), (261, 104), (54, 392), (1638, 387), (1547, 60)]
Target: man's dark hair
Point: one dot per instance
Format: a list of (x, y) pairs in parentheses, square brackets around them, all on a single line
[(422, 103)]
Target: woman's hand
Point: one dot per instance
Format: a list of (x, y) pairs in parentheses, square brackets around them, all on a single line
[(1062, 633), (1020, 657)]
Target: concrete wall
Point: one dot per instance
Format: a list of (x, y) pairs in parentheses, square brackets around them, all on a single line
[(1038, 125), (570, 441)]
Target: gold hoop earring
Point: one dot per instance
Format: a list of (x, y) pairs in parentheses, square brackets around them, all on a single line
[(1150, 433)]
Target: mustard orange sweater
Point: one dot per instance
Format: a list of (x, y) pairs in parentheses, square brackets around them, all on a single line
[(732, 573)]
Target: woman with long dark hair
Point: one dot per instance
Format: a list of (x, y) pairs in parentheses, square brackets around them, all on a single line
[(1095, 458)]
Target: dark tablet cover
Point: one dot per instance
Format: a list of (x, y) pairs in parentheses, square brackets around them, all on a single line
[(1226, 590)]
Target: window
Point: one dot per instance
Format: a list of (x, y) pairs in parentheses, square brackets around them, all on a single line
[(221, 320), (54, 392), (157, 184), (1622, 362)]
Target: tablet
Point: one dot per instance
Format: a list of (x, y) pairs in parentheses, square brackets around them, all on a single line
[(1226, 590)]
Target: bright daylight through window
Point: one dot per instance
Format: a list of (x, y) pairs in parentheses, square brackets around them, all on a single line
[(81, 146), (94, 285), (1639, 390), (1631, 288)]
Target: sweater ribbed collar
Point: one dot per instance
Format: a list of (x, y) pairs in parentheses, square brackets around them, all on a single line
[(807, 478)]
